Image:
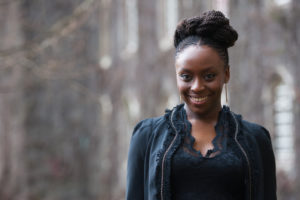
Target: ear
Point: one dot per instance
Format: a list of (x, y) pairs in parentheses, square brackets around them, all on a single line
[(227, 73)]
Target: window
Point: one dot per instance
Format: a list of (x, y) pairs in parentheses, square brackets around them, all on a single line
[(284, 133)]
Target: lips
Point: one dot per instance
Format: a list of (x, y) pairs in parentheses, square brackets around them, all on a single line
[(198, 100)]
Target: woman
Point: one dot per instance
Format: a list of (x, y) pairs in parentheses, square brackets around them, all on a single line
[(199, 150)]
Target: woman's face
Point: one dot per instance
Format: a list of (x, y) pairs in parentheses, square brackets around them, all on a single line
[(200, 74)]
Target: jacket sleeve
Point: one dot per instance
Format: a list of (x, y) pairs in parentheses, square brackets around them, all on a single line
[(135, 163), (269, 167)]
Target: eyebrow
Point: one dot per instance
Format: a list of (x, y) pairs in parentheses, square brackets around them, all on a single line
[(185, 70), (204, 70)]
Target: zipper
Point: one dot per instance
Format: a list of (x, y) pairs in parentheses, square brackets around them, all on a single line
[(244, 152), (164, 157)]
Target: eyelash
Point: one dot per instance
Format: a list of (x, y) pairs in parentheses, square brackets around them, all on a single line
[(185, 77), (207, 77)]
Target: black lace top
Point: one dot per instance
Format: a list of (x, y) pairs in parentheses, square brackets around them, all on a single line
[(219, 175)]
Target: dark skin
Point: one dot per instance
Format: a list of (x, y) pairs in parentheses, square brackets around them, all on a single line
[(201, 74)]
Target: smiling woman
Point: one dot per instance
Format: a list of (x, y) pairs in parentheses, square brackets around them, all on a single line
[(199, 150), (200, 77)]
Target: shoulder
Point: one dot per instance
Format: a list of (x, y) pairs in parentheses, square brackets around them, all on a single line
[(155, 126), (144, 129), (252, 129), (143, 134), (257, 134), (149, 122), (257, 130)]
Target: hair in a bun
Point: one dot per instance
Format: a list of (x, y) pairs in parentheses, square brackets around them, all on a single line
[(212, 28)]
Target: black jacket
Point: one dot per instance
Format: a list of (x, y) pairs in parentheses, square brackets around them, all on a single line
[(155, 140)]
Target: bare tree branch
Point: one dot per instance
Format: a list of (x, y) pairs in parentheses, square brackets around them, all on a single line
[(58, 30)]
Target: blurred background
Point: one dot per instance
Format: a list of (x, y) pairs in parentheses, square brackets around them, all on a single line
[(77, 75)]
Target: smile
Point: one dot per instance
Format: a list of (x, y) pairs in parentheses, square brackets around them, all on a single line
[(198, 99)]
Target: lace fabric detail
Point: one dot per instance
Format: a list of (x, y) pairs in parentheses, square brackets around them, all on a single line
[(219, 174), (219, 142)]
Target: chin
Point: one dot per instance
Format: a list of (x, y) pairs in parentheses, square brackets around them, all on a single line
[(202, 108)]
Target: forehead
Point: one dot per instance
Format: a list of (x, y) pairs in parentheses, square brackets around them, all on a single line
[(202, 56)]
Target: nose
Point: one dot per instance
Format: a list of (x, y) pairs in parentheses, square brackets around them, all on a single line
[(197, 85)]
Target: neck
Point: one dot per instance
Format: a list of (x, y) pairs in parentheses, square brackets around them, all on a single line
[(209, 117)]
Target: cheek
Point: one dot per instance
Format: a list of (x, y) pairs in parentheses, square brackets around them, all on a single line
[(178, 82), (181, 85), (216, 85)]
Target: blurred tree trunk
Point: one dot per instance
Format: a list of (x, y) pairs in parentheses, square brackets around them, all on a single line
[(60, 87), (293, 52), (12, 169), (246, 59), (148, 50), (193, 8)]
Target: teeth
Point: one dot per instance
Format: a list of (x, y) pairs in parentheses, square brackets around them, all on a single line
[(198, 99)]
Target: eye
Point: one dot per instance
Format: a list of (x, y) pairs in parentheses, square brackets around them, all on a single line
[(209, 77), (185, 77)]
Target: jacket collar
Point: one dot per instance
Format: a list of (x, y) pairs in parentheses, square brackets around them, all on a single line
[(178, 118)]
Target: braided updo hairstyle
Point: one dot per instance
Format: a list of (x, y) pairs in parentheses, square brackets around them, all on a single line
[(212, 28)]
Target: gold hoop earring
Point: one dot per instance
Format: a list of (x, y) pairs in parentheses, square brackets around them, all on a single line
[(226, 95)]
